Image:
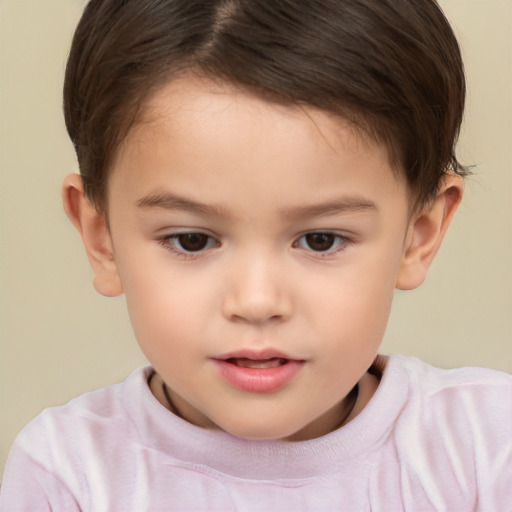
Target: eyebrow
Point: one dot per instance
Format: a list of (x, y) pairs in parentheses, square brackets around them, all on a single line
[(168, 201), (171, 202), (335, 207)]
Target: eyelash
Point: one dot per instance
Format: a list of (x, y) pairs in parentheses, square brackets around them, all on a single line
[(172, 243)]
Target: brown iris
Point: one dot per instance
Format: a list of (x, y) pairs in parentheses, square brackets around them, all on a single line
[(192, 242), (320, 241)]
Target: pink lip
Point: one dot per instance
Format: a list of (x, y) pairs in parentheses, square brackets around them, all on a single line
[(258, 380)]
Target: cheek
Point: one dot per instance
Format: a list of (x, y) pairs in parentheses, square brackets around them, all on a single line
[(355, 320), (356, 289), (162, 306), (353, 303)]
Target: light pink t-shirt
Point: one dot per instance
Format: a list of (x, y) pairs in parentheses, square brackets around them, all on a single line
[(429, 440)]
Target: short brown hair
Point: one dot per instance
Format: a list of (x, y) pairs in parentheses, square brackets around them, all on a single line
[(392, 67)]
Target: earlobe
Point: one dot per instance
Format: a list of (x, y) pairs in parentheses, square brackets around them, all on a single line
[(92, 227), (426, 232)]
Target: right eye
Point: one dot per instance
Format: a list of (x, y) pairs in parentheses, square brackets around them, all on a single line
[(188, 243)]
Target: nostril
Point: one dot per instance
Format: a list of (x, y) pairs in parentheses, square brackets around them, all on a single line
[(256, 318)]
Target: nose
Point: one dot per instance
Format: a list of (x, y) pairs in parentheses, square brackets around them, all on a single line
[(257, 292)]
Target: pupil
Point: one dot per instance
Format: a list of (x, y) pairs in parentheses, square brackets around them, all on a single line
[(320, 241), (193, 241)]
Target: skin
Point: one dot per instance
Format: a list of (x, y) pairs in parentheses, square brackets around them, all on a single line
[(254, 179)]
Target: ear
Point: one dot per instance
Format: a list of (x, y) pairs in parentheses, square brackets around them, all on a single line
[(426, 232), (93, 229)]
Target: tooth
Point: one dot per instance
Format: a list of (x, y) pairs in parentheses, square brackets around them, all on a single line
[(258, 363)]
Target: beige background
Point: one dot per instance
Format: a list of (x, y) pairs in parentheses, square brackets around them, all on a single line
[(59, 338)]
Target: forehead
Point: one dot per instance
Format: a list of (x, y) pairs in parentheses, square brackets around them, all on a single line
[(196, 102), (198, 130)]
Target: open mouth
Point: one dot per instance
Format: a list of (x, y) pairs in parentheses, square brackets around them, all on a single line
[(263, 371), (244, 362)]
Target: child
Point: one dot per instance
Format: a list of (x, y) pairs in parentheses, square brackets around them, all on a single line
[(257, 177)]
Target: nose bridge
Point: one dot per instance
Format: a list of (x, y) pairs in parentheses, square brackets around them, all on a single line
[(257, 290)]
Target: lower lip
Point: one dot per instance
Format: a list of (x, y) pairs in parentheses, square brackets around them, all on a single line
[(259, 380)]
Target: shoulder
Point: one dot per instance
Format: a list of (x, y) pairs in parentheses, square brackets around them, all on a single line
[(472, 403), (455, 427), (84, 425), (52, 456), (470, 396), (473, 385), (94, 406)]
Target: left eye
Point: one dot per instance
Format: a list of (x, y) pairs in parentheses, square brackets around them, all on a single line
[(190, 242), (320, 241)]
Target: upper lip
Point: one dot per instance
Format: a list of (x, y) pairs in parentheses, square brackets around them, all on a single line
[(256, 355)]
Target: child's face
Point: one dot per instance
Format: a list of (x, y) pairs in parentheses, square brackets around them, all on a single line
[(246, 230)]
